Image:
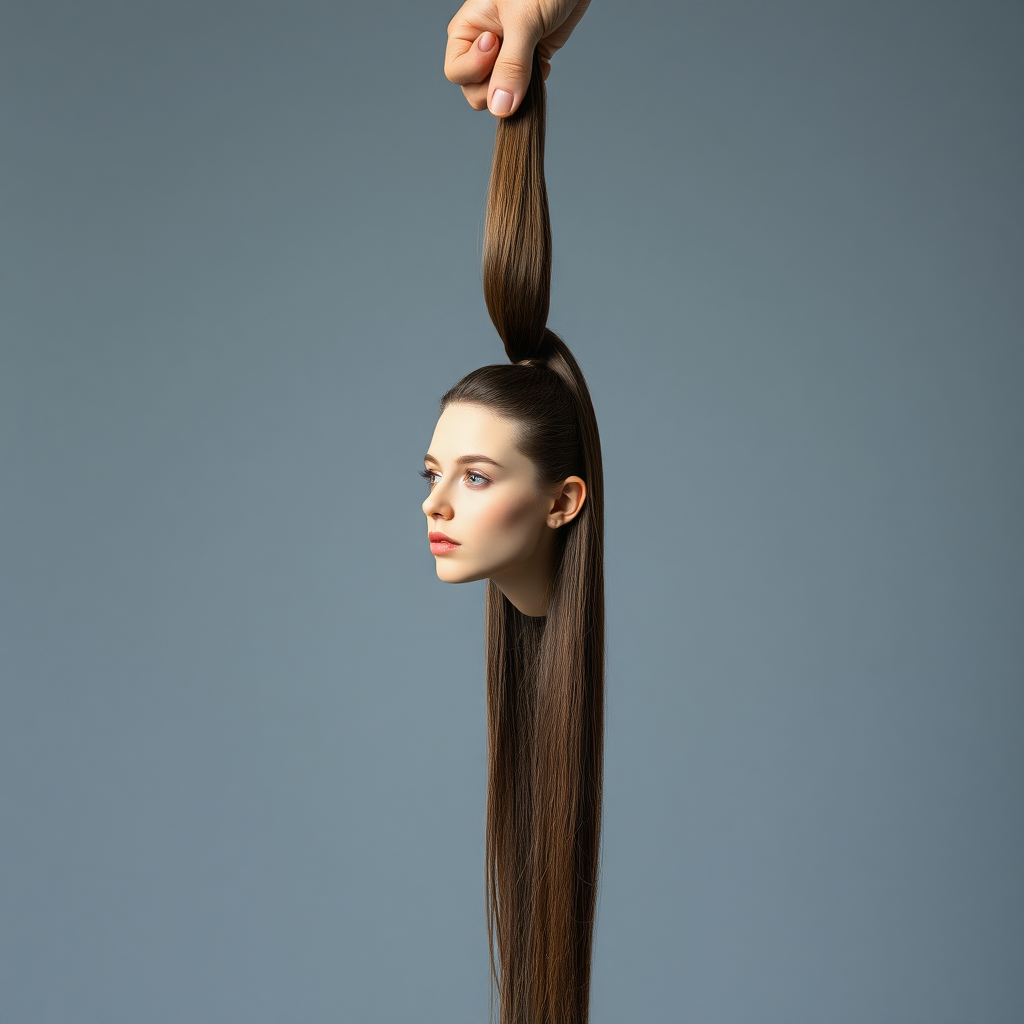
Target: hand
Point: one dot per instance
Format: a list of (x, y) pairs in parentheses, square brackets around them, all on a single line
[(491, 44)]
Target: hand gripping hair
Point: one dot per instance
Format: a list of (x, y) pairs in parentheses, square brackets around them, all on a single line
[(545, 690)]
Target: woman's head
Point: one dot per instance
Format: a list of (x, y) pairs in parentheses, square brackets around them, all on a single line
[(505, 471)]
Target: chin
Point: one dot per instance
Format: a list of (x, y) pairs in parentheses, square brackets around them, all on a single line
[(451, 573)]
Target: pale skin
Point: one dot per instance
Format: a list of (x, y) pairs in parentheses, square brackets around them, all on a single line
[(486, 497), (491, 43)]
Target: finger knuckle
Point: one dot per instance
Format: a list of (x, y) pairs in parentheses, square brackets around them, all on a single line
[(515, 67)]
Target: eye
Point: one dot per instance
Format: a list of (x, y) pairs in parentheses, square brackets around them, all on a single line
[(428, 475), (473, 475)]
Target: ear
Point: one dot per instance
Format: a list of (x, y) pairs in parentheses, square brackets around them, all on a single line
[(567, 502)]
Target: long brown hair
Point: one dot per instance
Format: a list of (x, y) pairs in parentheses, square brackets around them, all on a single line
[(545, 675)]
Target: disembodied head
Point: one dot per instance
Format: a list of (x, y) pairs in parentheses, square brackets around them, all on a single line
[(504, 467)]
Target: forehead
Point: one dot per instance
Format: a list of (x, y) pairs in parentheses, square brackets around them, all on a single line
[(465, 429)]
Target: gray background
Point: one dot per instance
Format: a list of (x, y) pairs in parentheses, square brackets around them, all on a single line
[(242, 748)]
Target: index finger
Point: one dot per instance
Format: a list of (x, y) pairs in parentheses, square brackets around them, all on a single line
[(464, 62)]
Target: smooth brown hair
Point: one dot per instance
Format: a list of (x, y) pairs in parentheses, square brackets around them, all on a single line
[(545, 675)]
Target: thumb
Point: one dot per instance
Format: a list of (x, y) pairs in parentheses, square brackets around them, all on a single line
[(511, 74)]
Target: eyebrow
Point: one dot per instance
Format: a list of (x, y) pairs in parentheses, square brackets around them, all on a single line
[(464, 460)]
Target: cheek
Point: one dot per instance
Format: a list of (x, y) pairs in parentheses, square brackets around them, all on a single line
[(513, 515), (505, 525), (496, 531)]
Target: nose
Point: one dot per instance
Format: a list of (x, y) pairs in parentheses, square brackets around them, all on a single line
[(437, 505)]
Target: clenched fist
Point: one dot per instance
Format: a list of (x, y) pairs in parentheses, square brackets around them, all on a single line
[(491, 44)]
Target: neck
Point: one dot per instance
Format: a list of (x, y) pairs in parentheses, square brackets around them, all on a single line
[(529, 600), (528, 587)]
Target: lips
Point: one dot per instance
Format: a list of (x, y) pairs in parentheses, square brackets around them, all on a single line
[(441, 543)]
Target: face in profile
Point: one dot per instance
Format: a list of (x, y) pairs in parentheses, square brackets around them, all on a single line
[(488, 514)]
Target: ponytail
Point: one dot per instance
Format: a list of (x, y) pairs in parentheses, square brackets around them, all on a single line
[(545, 676)]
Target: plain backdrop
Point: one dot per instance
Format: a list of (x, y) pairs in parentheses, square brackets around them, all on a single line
[(242, 743)]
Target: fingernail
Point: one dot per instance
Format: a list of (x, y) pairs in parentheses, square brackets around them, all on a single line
[(501, 101), (486, 41)]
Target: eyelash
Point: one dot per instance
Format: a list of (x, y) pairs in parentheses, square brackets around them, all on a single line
[(429, 474)]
